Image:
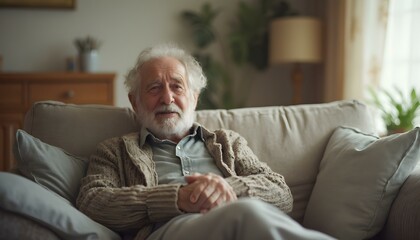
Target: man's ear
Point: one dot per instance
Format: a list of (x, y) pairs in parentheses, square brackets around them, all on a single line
[(133, 101)]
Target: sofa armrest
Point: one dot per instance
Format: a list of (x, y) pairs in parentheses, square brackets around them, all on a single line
[(404, 218)]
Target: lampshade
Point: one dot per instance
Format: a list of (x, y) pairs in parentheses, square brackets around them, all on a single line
[(295, 40)]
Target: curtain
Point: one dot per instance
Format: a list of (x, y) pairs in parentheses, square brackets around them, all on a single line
[(401, 64), (334, 55), (372, 44), (356, 31)]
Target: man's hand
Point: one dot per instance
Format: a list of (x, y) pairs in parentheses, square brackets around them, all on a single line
[(204, 192)]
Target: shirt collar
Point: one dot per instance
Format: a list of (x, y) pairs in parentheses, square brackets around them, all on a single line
[(196, 130)]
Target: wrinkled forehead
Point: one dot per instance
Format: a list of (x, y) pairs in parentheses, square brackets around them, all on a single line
[(163, 65), (163, 69)]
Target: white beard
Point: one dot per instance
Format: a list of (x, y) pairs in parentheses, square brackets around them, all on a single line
[(170, 127)]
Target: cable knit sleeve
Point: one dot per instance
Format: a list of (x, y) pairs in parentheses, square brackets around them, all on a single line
[(107, 196), (253, 178)]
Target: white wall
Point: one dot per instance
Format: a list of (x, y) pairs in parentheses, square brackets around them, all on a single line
[(34, 40)]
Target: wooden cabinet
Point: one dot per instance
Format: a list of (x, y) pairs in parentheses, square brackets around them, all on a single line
[(18, 91)]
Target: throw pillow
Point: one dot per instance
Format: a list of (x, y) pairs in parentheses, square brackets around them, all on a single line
[(24, 197), (49, 166), (359, 177)]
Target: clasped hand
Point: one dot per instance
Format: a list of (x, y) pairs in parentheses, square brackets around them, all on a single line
[(204, 192)]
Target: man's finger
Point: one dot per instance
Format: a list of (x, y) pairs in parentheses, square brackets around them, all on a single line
[(197, 191), (192, 178)]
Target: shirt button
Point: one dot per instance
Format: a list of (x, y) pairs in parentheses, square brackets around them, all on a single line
[(186, 172), (178, 147)]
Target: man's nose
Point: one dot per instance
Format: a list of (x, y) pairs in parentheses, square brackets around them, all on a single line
[(167, 96)]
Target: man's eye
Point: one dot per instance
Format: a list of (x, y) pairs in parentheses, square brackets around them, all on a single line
[(178, 87), (154, 89)]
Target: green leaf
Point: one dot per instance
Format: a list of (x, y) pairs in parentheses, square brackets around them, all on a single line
[(249, 38), (201, 24), (398, 111), (239, 49)]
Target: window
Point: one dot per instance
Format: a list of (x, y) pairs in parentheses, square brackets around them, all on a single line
[(401, 62)]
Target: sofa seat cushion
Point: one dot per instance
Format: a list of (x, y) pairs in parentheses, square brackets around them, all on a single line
[(22, 196), (359, 177)]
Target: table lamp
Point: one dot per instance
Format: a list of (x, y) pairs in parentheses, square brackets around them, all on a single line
[(295, 40)]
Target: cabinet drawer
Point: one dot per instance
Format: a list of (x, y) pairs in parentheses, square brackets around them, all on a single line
[(11, 95), (79, 93)]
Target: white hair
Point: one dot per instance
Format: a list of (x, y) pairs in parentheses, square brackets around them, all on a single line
[(195, 76)]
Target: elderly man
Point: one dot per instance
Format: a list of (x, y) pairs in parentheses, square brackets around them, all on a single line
[(177, 180)]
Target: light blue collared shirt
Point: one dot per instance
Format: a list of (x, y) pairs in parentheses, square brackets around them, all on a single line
[(174, 161)]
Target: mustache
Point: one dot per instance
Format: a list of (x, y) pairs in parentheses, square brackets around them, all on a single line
[(169, 108)]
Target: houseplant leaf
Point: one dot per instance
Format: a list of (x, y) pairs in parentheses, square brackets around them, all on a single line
[(398, 112), (201, 24)]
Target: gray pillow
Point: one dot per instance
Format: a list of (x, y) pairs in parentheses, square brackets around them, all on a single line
[(49, 166), (22, 196), (359, 177)]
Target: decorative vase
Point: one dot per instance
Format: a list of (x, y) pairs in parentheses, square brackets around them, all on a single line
[(89, 61)]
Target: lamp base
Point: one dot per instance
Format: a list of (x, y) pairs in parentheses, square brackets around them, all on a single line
[(297, 79)]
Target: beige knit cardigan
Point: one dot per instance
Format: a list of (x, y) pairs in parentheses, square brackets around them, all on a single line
[(121, 188)]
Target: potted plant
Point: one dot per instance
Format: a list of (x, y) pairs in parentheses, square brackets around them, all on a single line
[(398, 112), (88, 53)]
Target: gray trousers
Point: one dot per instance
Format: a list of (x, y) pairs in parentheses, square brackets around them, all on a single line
[(244, 219)]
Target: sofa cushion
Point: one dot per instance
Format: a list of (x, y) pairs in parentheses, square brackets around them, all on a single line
[(78, 128), (22, 196), (359, 177), (16, 226), (49, 166)]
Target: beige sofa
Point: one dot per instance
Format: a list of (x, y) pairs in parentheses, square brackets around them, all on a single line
[(292, 140)]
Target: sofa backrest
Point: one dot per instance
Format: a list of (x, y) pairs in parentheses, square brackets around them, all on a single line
[(291, 139)]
